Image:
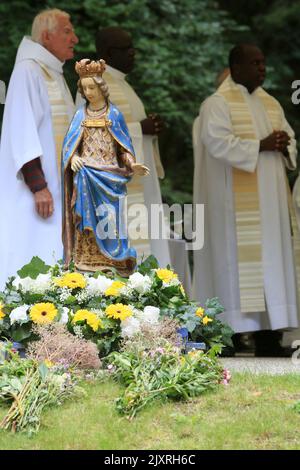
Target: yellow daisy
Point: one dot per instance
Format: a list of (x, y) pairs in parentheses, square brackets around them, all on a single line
[(2, 314), (43, 313), (118, 311), (91, 318), (166, 275), (206, 320), (71, 280), (200, 312), (115, 288), (80, 315), (94, 322)]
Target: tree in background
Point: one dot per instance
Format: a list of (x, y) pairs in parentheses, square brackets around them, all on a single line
[(275, 25), (182, 46)]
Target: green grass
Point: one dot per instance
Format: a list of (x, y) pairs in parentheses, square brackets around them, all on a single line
[(253, 412)]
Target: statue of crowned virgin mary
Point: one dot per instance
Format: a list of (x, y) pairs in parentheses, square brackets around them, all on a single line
[(97, 163)]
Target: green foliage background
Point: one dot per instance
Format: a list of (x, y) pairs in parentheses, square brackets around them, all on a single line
[(182, 46)]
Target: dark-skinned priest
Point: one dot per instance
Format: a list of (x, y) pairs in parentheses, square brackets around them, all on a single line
[(244, 145)]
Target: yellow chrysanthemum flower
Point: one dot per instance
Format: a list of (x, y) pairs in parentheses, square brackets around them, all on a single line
[(118, 311), (206, 320), (200, 312), (115, 288), (43, 313), (166, 275), (182, 291), (71, 280), (91, 318)]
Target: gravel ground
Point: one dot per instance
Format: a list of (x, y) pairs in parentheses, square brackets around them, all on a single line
[(257, 365)]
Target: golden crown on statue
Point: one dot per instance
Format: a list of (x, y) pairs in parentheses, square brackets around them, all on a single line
[(90, 68)]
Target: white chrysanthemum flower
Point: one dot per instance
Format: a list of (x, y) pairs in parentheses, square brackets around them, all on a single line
[(42, 283), (136, 312), (97, 286), (130, 326), (19, 314), (64, 316), (150, 315), (140, 283), (36, 286), (23, 284)]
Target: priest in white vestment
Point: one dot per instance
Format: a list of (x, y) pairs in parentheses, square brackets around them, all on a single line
[(37, 113), (114, 45), (243, 145)]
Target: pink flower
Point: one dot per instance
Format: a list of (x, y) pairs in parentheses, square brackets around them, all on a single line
[(160, 350), (226, 377), (226, 374)]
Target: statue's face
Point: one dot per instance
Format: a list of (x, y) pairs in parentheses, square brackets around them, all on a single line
[(91, 90)]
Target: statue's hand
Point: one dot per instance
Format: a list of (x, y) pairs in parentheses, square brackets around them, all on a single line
[(76, 163), (139, 169)]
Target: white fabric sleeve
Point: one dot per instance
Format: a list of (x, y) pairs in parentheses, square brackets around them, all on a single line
[(24, 111), (291, 159), (219, 139), (79, 100), (136, 134)]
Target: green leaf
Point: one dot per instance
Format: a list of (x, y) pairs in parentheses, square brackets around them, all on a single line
[(146, 266), (33, 298), (43, 370), (71, 300), (190, 325), (34, 268), (21, 332)]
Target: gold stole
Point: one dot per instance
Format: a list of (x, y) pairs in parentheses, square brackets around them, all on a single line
[(59, 112), (246, 196), (135, 189)]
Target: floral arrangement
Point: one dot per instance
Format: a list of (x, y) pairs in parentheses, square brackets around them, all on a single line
[(101, 308), (150, 366), (29, 387), (54, 363), (138, 325)]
